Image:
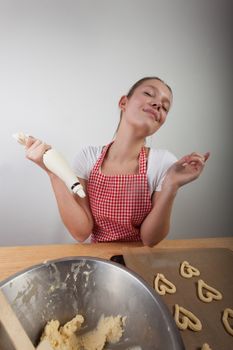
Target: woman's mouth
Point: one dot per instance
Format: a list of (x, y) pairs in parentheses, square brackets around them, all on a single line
[(152, 113)]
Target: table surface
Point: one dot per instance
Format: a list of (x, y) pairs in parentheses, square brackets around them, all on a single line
[(15, 259)]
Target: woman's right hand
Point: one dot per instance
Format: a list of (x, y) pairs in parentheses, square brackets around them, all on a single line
[(35, 150)]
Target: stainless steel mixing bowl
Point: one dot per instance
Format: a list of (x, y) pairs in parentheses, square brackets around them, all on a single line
[(60, 289)]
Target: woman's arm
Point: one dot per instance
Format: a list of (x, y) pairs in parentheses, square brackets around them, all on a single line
[(75, 212), (156, 225)]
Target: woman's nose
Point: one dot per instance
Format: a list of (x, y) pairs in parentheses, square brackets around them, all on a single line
[(157, 105)]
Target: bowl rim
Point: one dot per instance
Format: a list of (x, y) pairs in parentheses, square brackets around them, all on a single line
[(164, 310)]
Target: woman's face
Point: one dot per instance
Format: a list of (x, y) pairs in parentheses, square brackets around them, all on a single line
[(148, 107)]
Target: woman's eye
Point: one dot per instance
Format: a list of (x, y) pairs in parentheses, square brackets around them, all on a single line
[(147, 93), (165, 109)]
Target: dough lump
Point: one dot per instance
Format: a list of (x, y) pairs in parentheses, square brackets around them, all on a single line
[(109, 330)]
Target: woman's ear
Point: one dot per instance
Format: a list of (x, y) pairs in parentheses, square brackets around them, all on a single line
[(123, 102)]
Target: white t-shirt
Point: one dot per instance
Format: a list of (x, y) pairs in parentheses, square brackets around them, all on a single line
[(159, 161)]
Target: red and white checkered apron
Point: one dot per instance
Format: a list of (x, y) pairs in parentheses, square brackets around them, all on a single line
[(119, 203)]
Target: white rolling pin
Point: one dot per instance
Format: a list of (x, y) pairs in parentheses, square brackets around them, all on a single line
[(56, 163)]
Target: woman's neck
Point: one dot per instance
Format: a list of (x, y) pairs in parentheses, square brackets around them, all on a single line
[(125, 148)]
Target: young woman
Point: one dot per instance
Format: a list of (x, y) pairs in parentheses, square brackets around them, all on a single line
[(130, 188)]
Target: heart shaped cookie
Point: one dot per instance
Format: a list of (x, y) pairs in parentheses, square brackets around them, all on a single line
[(162, 285), (186, 319), (188, 271), (207, 293), (228, 313), (205, 346)]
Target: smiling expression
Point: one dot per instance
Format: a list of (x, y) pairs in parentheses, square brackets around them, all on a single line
[(148, 107)]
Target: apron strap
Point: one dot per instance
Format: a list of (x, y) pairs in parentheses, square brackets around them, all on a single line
[(142, 161), (101, 157)]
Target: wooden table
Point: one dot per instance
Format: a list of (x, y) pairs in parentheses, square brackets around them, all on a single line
[(15, 259)]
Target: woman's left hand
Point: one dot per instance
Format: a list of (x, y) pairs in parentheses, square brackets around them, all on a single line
[(186, 169)]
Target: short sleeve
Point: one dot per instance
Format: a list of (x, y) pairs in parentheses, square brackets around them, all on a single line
[(85, 160), (159, 162)]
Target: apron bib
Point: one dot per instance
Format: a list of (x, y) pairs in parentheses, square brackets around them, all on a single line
[(119, 203)]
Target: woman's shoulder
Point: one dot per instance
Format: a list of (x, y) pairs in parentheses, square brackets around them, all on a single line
[(91, 152), (162, 155), (85, 160), (159, 161)]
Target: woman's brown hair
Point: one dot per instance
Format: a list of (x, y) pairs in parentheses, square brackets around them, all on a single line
[(135, 86)]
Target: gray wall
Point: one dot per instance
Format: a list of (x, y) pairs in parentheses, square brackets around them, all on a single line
[(64, 65)]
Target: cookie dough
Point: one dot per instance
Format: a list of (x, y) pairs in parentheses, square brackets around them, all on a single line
[(162, 285), (186, 319), (227, 314), (188, 271), (210, 293), (205, 346), (108, 330)]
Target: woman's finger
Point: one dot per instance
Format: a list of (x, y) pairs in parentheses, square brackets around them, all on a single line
[(37, 149), (197, 154), (196, 159), (35, 144), (30, 140), (38, 143), (183, 160), (193, 158), (206, 155)]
